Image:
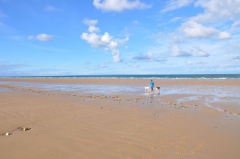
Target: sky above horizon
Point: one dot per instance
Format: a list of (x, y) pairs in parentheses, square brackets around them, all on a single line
[(91, 37)]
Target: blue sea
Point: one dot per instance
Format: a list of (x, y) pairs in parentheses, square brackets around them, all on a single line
[(150, 76)]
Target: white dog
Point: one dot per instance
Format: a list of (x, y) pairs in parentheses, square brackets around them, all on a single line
[(147, 89)]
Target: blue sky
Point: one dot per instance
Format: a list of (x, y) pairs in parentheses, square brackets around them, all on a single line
[(71, 37)]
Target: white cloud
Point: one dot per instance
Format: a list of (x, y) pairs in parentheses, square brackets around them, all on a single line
[(93, 39), (236, 24), (175, 4), (193, 29), (122, 41), (224, 35), (177, 52), (147, 57), (41, 37), (51, 8), (30, 37), (113, 44), (116, 56), (198, 52), (44, 37), (119, 5), (93, 29), (106, 37), (215, 10), (175, 38), (90, 22), (105, 41)]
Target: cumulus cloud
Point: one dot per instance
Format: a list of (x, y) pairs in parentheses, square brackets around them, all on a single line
[(224, 35), (105, 41), (200, 54), (175, 38), (193, 29), (177, 52), (93, 29), (175, 4), (196, 51), (44, 37), (119, 5), (93, 39), (148, 57), (215, 10), (106, 38), (41, 37)]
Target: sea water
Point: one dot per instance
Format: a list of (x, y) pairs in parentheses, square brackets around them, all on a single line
[(150, 76)]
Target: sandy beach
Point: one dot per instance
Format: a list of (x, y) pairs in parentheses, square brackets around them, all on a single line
[(55, 118)]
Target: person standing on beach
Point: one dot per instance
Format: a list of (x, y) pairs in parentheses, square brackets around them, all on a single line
[(151, 85)]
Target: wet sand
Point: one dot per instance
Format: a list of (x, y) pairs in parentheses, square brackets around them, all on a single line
[(65, 124)]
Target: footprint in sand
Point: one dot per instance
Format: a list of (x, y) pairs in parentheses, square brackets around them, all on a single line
[(161, 151)]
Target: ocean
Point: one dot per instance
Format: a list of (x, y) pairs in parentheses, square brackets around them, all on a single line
[(150, 76)]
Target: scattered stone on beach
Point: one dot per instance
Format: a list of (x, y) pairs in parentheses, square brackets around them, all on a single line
[(24, 128), (224, 97), (7, 134)]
